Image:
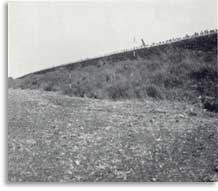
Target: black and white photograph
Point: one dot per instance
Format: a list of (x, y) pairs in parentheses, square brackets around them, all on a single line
[(112, 91)]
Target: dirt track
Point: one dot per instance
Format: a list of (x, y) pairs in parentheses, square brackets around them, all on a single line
[(56, 138)]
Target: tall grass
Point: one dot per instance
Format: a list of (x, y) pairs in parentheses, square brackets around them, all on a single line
[(179, 71)]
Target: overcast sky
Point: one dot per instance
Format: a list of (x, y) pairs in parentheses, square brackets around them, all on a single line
[(44, 34)]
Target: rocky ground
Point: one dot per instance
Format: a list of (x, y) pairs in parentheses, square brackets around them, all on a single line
[(56, 138)]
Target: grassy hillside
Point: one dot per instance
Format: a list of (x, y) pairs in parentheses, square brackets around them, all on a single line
[(56, 138), (181, 70)]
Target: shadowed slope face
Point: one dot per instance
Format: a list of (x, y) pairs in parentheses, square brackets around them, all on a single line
[(178, 71)]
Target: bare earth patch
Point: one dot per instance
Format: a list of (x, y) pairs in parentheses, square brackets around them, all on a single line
[(56, 138)]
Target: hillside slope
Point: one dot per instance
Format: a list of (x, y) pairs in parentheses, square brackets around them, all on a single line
[(56, 138), (181, 70)]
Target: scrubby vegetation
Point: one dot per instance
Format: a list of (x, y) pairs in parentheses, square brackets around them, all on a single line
[(182, 70), (157, 130), (10, 82)]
